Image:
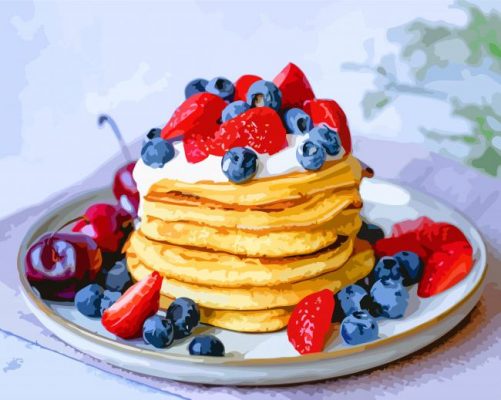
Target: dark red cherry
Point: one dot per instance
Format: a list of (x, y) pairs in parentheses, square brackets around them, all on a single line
[(59, 264), (125, 189), (108, 225)]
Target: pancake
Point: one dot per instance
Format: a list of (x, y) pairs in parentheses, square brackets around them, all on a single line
[(259, 298)]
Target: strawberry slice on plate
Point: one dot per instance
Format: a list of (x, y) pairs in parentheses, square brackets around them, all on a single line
[(242, 86), (411, 226), (407, 242), (294, 87), (310, 322), (125, 318)]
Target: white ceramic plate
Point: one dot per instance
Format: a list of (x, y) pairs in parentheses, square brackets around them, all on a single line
[(269, 359)]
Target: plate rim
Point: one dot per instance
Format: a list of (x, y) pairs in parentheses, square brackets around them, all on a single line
[(35, 301)]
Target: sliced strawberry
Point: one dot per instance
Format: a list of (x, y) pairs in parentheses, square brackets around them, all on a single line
[(242, 86), (324, 111), (294, 87), (197, 114), (436, 235), (197, 145), (444, 269), (411, 225), (406, 242), (310, 322), (125, 318)]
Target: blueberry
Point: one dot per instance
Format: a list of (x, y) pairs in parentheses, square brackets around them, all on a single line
[(297, 121), (158, 331), (411, 267), (88, 300), (206, 345), (154, 133), (310, 155), (233, 109), (370, 232), (392, 296), (350, 297), (387, 267), (328, 138), (195, 86), (109, 298), (118, 278), (184, 314), (157, 152), (359, 327), (221, 87), (239, 164), (264, 93)]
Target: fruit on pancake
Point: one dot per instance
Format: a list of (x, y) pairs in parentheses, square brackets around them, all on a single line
[(411, 267), (206, 345), (157, 152), (88, 300), (239, 164), (117, 278), (233, 109), (59, 264), (264, 94), (310, 322), (297, 121), (311, 155), (125, 189), (109, 298), (243, 84), (158, 332), (359, 327), (387, 267), (125, 318), (326, 137), (324, 111), (199, 113), (391, 296), (185, 316), (294, 86), (195, 86), (221, 87), (370, 232), (106, 224)]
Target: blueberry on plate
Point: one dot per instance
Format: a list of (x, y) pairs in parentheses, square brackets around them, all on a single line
[(118, 278), (206, 345), (387, 267), (185, 316), (222, 87), (239, 164), (411, 267), (88, 300), (350, 298), (195, 86), (153, 133), (233, 109), (359, 327), (109, 298), (297, 121), (328, 138), (370, 232), (310, 155), (158, 331), (264, 94), (157, 152), (392, 297)]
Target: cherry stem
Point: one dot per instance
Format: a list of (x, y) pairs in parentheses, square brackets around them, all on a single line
[(71, 221), (106, 118)]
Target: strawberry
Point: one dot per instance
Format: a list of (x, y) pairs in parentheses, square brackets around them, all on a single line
[(329, 112), (392, 245), (411, 226), (310, 322), (197, 145), (197, 114), (125, 318), (294, 87), (242, 86), (436, 235)]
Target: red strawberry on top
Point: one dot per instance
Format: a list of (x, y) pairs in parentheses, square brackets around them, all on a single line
[(294, 87), (329, 112), (242, 86), (197, 114), (310, 322), (125, 318)]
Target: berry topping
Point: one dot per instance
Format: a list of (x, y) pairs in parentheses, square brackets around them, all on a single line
[(157, 152), (411, 267), (359, 327), (330, 113), (370, 232), (387, 267), (297, 121), (310, 322), (221, 87), (233, 109), (125, 318), (185, 316), (294, 86), (118, 278), (243, 84), (154, 133), (310, 155), (327, 137), (206, 345), (88, 300), (392, 245), (109, 298), (392, 296), (350, 298), (239, 164), (158, 332), (195, 86), (125, 189), (264, 94)]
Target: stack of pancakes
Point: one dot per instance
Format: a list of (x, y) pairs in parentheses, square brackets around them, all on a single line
[(246, 254)]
